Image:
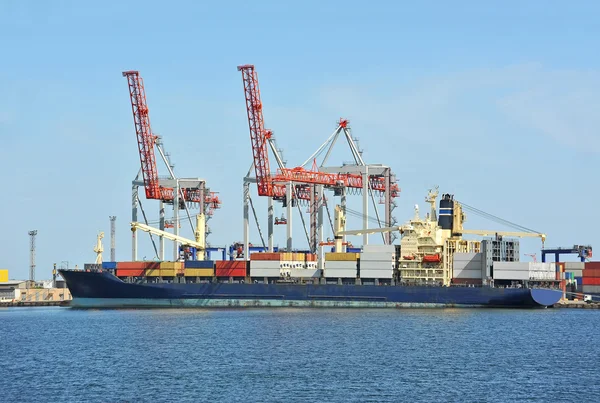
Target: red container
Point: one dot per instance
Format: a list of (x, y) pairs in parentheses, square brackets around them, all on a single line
[(130, 272), (588, 272), (230, 268), (132, 265), (592, 265), (590, 281)]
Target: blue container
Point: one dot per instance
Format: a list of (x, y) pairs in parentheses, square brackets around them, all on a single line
[(109, 265), (199, 264), (579, 282)]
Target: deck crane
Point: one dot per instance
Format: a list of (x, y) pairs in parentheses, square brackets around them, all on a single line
[(199, 243), (173, 190), (99, 248), (274, 185)]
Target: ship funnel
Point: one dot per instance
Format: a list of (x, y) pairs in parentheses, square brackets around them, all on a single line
[(446, 212)]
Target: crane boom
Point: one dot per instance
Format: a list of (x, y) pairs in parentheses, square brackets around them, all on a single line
[(258, 134), (145, 138), (146, 228), (504, 233)]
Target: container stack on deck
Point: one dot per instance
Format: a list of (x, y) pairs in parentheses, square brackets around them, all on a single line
[(591, 278), (341, 265)]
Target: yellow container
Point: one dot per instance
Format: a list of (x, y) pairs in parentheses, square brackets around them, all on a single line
[(3, 275), (152, 273), (298, 256), (168, 272), (171, 265), (199, 272), (341, 257), (287, 256)]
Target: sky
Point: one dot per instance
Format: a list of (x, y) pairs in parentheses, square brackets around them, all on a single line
[(495, 102)]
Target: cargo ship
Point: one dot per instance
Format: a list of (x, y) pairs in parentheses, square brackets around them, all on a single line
[(433, 266)]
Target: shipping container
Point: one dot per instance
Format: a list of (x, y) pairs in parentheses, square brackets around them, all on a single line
[(375, 265), (589, 272), (591, 289), (131, 265), (591, 280), (467, 265), (130, 272), (171, 265), (335, 264), (266, 256), (339, 273), (341, 257), (370, 273), (263, 272), (306, 273), (230, 268), (376, 256), (311, 257), (193, 272), (168, 272), (109, 265), (570, 266), (150, 272), (199, 264), (592, 265), (3, 275)]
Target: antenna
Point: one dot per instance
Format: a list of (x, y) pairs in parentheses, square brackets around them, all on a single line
[(32, 235), (112, 238)]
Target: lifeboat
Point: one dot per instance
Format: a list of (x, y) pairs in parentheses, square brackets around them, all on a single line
[(432, 258), (408, 257)]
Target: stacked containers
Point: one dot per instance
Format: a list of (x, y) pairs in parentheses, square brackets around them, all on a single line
[(576, 268), (341, 265), (199, 268), (591, 278), (230, 268), (268, 264), (306, 268), (171, 269), (377, 261)]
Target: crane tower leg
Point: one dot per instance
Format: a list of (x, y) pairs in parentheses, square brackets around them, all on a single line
[(320, 222), (365, 191), (176, 221), (343, 206), (289, 215), (134, 214), (270, 223), (246, 220), (388, 207), (161, 226)]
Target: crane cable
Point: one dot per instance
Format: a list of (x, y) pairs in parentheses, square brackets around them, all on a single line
[(497, 219)]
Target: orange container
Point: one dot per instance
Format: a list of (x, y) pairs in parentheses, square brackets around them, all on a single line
[(586, 272), (130, 272), (265, 256)]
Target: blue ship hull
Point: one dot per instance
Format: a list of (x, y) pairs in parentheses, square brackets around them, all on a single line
[(101, 289)]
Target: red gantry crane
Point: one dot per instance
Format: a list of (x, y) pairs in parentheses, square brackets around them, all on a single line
[(274, 185), (193, 190)]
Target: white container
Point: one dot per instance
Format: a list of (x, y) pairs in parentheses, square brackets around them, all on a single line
[(376, 266), (339, 273), (375, 256), (265, 264), (376, 273), (305, 273), (569, 266), (331, 264), (263, 272)]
